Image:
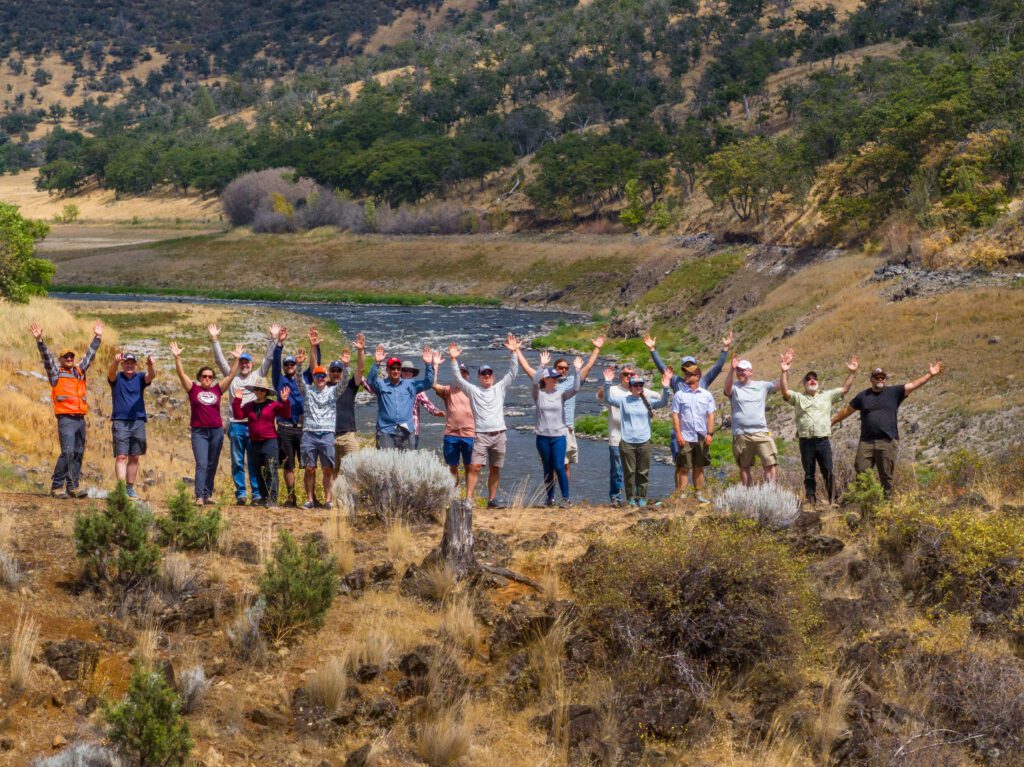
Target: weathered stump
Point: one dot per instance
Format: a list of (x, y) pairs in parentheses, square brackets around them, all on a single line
[(457, 541)]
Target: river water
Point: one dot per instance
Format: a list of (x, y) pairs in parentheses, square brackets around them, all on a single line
[(479, 331)]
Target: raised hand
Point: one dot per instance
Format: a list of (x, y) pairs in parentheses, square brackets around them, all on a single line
[(97, 328), (428, 355), (214, 331), (785, 363), (545, 358), (149, 360), (577, 363), (175, 349), (360, 343), (454, 350), (285, 393), (727, 341), (118, 357), (282, 335), (313, 335), (436, 358), (788, 355), (378, 354), (935, 368), (853, 364), (346, 356), (512, 343), (275, 331), (609, 374), (35, 330), (300, 357), (666, 378), (597, 342), (238, 352), (735, 361), (650, 341)]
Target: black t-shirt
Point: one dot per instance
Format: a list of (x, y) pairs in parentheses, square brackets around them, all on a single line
[(878, 412), (345, 420)]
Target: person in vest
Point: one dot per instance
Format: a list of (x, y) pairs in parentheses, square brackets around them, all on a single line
[(128, 415), (67, 382)]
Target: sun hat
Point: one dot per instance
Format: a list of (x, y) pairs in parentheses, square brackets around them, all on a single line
[(407, 365), (261, 383)]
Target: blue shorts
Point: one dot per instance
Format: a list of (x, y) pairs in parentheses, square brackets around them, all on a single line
[(456, 448), (317, 445)]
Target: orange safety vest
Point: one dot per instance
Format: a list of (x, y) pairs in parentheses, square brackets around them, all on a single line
[(68, 394)]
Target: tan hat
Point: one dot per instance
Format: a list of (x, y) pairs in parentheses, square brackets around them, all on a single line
[(261, 383)]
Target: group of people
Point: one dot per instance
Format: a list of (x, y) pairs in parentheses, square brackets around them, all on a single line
[(306, 418)]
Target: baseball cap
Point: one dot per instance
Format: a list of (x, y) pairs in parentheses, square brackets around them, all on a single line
[(290, 360), (319, 370), (128, 356), (336, 365), (811, 374), (688, 360), (551, 373), (463, 368), (744, 365), (636, 381), (879, 372), (66, 352), (246, 356), (393, 361), (485, 369)]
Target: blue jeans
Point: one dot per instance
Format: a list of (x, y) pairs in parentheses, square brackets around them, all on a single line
[(614, 473), (238, 434), (206, 445), (552, 457)]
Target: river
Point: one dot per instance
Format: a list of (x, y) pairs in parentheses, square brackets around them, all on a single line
[(479, 331)]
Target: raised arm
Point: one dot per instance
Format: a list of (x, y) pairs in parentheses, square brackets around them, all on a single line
[(709, 377), (429, 370), (666, 391), (268, 358), (49, 361), (545, 357), (933, 370), (512, 344), (851, 366), (577, 380), (786, 358), (585, 370), (112, 369), (360, 346), (784, 366), (236, 359), (218, 355), (275, 364), (90, 353), (186, 382), (611, 396), (727, 386), (651, 341), (236, 407)]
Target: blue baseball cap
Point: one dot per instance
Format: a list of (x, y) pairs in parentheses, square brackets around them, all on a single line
[(551, 373), (688, 360), (246, 356), (336, 365), (290, 360)]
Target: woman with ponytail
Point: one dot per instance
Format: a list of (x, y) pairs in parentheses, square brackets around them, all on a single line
[(637, 411)]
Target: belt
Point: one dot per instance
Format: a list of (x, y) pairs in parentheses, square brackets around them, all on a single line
[(492, 433)]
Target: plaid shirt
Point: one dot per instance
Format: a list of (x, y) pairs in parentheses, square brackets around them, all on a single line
[(430, 407)]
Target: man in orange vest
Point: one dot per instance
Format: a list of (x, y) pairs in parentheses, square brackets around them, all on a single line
[(68, 394)]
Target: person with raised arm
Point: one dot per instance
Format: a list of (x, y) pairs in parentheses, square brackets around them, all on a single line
[(346, 438), (751, 438), (813, 410), (128, 415), (67, 393), (636, 412), (285, 371), (396, 398), (318, 434), (459, 425), (262, 415), (205, 422), (549, 420), (693, 426), (615, 479), (487, 399), (410, 371), (238, 430), (566, 383), (879, 406)]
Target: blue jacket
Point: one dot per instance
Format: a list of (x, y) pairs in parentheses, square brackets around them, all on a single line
[(395, 402), (295, 392)]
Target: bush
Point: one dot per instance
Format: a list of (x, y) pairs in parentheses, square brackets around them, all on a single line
[(185, 527), (298, 587), (10, 575), (192, 687), (325, 209), (430, 218), (405, 485), (68, 215), (690, 604), (115, 542), (147, 726), (81, 755), (959, 560), (865, 492), (251, 193), (767, 504)]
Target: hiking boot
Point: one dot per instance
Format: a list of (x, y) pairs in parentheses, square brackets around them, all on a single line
[(564, 503), (58, 492), (494, 503), (78, 493), (291, 503), (326, 505), (239, 500), (632, 501)]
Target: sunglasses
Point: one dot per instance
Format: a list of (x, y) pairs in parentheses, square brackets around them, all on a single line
[(877, 378), (320, 376), (562, 368), (289, 364), (635, 386), (206, 375), (486, 373)]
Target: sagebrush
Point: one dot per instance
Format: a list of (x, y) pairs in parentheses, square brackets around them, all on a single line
[(407, 485), (767, 504)]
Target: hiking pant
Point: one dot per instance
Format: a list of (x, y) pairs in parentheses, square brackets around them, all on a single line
[(263, 462), (636, 467), (68, 469), (880, 455), (397, 440), (206, 445), (614, 473), (552, 458), (816, 452), (238, 434)]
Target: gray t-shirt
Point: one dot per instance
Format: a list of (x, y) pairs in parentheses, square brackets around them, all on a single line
[(748, 406), (549, 418)]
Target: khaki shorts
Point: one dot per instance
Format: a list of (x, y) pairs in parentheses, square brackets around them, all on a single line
[(345, 444), (489, 449), (693, 455), (572, 450), (746, 448)]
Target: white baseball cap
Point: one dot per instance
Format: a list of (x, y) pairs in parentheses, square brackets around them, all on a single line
[(744, 365)]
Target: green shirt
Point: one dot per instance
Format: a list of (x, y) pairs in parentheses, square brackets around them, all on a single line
[(814, 413)]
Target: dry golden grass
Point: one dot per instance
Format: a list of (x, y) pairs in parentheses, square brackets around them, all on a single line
[(459, 623), (23, 646), (6, 528), (147, 640), (327, 685), (338, 534), (443, 737), (400, 544)]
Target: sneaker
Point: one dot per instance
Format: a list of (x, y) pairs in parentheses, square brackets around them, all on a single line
[(257, 501), (494, 503), (632, 501), (327, 505), (78, 493), (291, 503), (309, 505), (58, 492), (564, 503), (641, 503), (701, 499), (130, 492)]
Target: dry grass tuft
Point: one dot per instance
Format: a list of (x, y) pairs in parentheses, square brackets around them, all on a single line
[(442, 737), (265, 545), (6, 529), (459, 623), (400, 545), (371, 645), (338, 534), (830, 721), (146, 642), (177, 576), (327, 686), (23, 647), (438, 583)]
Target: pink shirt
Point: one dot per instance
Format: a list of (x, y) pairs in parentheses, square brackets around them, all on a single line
[(422, 401), (459, 421), (205, 404)]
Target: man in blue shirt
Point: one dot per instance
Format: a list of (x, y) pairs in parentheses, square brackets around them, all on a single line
[(128, 415), (396, 397)]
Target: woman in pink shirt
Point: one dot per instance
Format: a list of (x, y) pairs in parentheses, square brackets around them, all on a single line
[(204, 397), (262, 414)]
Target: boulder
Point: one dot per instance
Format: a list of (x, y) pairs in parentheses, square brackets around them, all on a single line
[(72, 659)]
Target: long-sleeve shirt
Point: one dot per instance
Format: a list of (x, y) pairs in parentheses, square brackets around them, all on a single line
[(321, 406), (549, 415), (52, 366), (396, 402), (261, 417), (488, 404), (636, 421), (458, 417), (678, 382), (238, 383), (569, 406), (426, 404), (615, 415), (281, 381)]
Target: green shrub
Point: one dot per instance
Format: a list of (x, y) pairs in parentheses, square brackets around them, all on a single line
[(963, 468), (865, 492), (147, 726), (115, 542), (185, 527), (298, 586), (959, 560), (722, 598)]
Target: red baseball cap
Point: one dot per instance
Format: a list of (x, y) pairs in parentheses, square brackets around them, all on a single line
[(393, 361)]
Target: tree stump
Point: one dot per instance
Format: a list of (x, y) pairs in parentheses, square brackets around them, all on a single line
[(457, 546)]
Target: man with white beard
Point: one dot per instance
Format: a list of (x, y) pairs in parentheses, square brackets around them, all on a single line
[(813, 425)]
